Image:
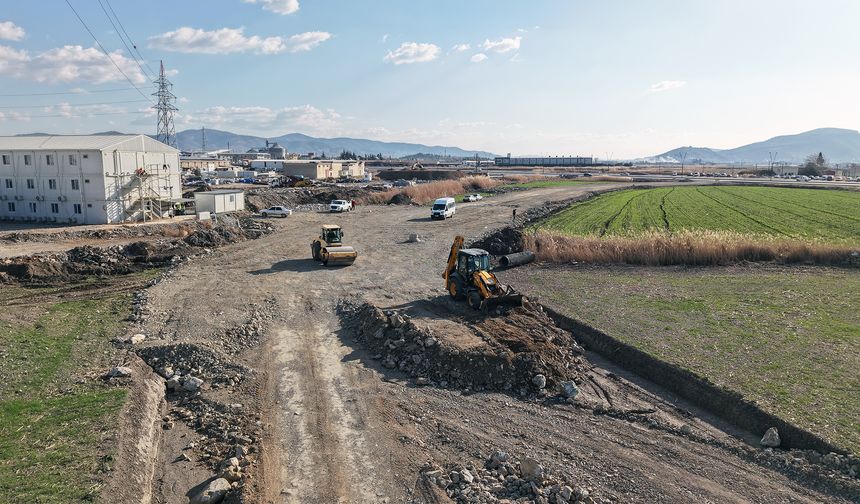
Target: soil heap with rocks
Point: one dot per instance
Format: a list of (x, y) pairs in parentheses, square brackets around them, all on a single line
[(520, 351)]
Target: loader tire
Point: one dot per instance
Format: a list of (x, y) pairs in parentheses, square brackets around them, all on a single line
[(475, 300), (456, 289)]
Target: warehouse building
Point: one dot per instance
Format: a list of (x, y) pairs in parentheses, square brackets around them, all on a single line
[(316, 169), (544, 161), (92, 179)]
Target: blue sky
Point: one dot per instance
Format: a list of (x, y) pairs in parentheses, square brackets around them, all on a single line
[(621, 78)]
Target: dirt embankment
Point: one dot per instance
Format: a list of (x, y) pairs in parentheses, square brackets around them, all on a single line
[(303, 197), (420, 174), (83, 261), (519, 351)]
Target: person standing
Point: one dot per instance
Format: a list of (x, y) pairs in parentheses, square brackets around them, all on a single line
[(514, 216)]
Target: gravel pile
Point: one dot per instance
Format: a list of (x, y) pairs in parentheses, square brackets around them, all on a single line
[(503, 480), (188, 359), (249, 334)]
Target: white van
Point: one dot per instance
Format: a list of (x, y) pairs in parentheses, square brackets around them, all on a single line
[(443, 208)]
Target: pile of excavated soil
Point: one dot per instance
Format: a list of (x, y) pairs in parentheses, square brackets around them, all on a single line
[(506, 240), (420, 174), (520, 351), (262, 198), (79, 262), (167, 230)]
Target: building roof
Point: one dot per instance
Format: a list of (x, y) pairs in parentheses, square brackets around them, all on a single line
[(218, 191), (84, 142)]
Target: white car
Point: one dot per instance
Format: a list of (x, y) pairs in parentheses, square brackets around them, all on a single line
[(276, 211), (340, 206), (473, 197)]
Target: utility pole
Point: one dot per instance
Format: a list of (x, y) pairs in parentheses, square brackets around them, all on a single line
[(683, 158), (772, 156), (165, 130)]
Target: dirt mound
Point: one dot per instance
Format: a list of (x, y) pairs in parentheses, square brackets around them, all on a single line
[(400, 199), (55, 268), (259, 199), (506, 240), (520, 351), (167, 230), (420, 174)]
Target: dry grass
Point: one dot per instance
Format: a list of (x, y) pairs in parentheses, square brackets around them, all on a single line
[(701, 248), (425, 193)]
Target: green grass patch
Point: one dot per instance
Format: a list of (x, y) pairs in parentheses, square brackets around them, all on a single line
[(56, 419), (805, 214), (787, 338)]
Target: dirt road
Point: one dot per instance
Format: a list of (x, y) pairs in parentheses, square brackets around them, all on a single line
[(338, 427)]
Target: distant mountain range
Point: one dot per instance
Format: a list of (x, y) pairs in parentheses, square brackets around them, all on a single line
[(191, 140), (837, 145)]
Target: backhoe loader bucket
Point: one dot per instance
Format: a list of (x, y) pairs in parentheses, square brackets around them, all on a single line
[(510, 299), (338, 256)]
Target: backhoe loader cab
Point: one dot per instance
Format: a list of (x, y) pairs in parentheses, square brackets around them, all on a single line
[(329, 247), (471, 260)]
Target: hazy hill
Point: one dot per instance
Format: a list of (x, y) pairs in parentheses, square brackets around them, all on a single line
[(296, 142), (838, 145)]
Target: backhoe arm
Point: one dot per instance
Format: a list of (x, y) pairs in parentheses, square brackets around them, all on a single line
[(452, 257)]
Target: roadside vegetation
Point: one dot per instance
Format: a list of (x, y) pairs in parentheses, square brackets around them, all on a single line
[(704, 226), (425, 193), (57, 418), (787, 338)]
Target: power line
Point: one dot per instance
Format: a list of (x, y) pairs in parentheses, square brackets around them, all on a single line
[(82, 91), (89, 114), (71, 104), (153, 72), (118, 34), (105, 50)]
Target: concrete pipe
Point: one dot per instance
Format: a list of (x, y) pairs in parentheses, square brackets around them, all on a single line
[(518, 259)]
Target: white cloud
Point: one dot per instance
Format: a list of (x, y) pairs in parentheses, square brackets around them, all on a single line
[(502, 45), (412, 52), (11, 31), (385, 38), (68, 64), (666, 85), (478, 58), (306, 41), (461, 47), (265, 119), (66, 109), (278, 6), (233, 40)]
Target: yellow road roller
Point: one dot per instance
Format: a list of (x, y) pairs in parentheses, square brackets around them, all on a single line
[(329, 247)]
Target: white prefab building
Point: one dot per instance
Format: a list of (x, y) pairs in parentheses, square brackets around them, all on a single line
[(220, 201), (92, 179)]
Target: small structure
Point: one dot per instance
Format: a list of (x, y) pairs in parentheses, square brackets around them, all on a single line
[(203, 163), (220, 201)]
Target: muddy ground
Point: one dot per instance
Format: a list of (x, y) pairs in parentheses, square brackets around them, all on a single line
[(368, 384)]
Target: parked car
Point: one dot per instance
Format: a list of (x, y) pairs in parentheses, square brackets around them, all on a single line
[(586, 175), (473, 197), (340, 206), (276, 211)]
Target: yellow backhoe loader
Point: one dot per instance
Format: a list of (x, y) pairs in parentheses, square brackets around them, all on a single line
[(329, 247), (468, 276)]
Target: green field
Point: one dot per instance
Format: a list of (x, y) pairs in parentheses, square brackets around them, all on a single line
[(57, 418), (787, 338), (807, 214)]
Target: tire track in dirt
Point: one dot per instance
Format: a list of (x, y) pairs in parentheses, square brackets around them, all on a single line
[(323, 425)]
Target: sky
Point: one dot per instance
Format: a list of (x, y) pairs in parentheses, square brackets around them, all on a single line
[(611, 79)]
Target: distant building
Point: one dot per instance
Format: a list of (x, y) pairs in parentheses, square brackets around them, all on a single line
[(203, 163), (220, 201), (316, 169), (544, 161), (87, 179)]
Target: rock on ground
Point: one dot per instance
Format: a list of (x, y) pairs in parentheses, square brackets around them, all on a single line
[(771, 438), (213, 493)]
